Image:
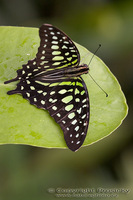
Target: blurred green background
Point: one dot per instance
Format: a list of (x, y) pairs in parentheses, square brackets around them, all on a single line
[(35, 173)]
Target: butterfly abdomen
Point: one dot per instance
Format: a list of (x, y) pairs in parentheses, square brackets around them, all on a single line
[(58, 75)]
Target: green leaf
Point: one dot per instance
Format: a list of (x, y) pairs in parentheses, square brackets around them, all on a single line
[(22, 123)]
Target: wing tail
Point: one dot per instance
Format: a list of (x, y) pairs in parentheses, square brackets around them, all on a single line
[(12, 80)]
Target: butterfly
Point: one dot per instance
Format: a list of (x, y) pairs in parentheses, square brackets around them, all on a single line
[(52, 81)]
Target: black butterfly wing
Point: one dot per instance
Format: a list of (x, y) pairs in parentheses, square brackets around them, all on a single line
[(74, 113), (67, 102), (56, 49)]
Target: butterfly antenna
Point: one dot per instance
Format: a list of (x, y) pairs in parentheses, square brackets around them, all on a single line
[(99, 85), (94, 53), (90, 74)]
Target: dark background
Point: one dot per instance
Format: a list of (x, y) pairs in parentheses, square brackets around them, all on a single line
[(28, 172)]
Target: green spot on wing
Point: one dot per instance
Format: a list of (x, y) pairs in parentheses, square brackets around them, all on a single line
[(62, 91), (54, 53), (69, 107), (73, 62), (79, 84), (82, 92), (41, 83), (77, 91), (67, 99), (71, 115), (55, 47), (69, 59), (58, 58)]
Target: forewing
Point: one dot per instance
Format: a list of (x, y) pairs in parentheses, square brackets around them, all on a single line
[(56, 49)]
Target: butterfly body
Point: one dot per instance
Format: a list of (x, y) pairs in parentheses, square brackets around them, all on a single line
[(61, 74), (53, 81)]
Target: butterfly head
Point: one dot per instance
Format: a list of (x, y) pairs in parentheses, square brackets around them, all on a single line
[(84, 68)]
